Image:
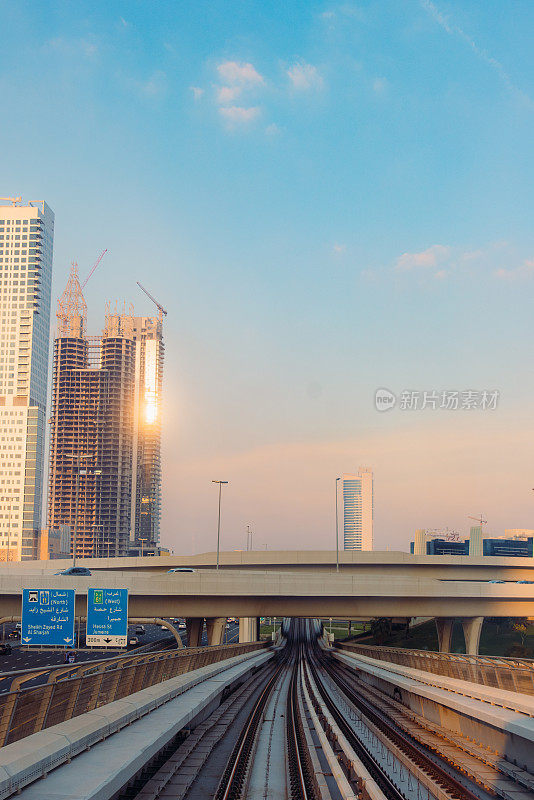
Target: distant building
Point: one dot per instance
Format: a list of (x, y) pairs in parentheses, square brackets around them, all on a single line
[(518, 546), (442, 547), (26, 245), (54, 543), (358, 510)]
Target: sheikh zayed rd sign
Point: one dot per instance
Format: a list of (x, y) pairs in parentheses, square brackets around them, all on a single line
[(107, 617), (48, 617)]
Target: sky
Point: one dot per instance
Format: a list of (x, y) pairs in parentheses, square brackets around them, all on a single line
[(329, 199)]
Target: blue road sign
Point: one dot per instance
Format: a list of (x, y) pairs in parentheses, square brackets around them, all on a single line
[(107, 617), (48, 617)]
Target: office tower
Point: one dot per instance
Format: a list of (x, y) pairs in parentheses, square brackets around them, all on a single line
[(358, 510), (26, 245), (92, 428), (146, 457)]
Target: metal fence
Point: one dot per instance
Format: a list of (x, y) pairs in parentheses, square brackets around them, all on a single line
[(514, 675), (28, 710)]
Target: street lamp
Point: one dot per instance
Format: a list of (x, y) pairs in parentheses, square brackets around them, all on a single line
[(219, 519), (337, 535)]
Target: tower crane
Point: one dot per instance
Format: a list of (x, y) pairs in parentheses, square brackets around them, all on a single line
[(480, 519), (95, 265), (160, 308)]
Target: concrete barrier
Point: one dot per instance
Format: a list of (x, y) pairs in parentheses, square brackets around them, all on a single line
[(24, 762)]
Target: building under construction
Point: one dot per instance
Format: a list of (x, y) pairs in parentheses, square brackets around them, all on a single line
[(105, 474)]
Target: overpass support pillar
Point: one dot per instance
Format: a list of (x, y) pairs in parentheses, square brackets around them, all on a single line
[(194, 627), (249, 629), (472, 628), (444, 627), (215, 627)]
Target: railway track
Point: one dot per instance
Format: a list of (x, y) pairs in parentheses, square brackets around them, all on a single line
[(289, 732)]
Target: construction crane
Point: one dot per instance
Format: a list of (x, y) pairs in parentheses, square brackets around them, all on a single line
[(12, 200), (161, 310), (95, 265), (480, 519)]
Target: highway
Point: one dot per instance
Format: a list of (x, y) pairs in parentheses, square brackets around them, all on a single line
[(24, 660)]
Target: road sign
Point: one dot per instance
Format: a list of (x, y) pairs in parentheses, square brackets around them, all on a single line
[(107, 617), (48, 617)]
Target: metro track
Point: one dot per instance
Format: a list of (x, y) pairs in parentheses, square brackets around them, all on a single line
[(324, 757)]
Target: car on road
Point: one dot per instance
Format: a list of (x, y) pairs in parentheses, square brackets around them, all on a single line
[(74, 571), (181, 569), (14, 634), (5, 649), (133, 641), (524, 581), (140, 630), (496, 581)]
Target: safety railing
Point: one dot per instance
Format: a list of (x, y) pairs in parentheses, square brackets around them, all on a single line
[(28, 710), (514, 675)]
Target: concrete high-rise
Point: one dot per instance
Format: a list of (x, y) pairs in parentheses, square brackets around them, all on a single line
[(358, 510), (146, 456), (91, 441), (26, 248)]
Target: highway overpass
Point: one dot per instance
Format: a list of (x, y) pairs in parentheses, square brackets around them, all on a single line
[(352, 562)]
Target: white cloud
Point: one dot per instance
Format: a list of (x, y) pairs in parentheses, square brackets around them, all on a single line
[(228, 94), (426, 258), (197, 92), (273, 129), (237, 115), (153, 87), (305, 77), (523, 271), (72, 47), (240, 73), (380, 85), (483, 55)]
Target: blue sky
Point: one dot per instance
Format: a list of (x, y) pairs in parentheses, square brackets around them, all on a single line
[(329, 198)]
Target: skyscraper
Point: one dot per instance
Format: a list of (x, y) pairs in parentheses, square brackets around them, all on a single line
[(146, 464), (358, 510), (26, 247), (92, 428)]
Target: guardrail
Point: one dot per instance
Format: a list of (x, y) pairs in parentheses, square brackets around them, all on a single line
[(513, 675), (29, 710)]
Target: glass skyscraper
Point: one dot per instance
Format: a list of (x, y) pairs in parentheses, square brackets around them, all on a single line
[(26, 247), (358, 510)]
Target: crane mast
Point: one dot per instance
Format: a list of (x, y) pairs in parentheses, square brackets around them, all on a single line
[(160, 308)]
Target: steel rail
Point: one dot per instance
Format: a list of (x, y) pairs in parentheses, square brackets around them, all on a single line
[(414, 750)]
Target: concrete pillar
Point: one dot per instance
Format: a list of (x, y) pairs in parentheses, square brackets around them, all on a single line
[(472, 628), (444, 628), (194, 627), (215, 627), (249, 629)]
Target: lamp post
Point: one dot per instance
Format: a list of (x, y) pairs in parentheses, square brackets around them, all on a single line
[(219, 519), (337, 534), (142, 542)]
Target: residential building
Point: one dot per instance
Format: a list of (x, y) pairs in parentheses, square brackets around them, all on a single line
[(91, 441), (26, 249), (358, 510)]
